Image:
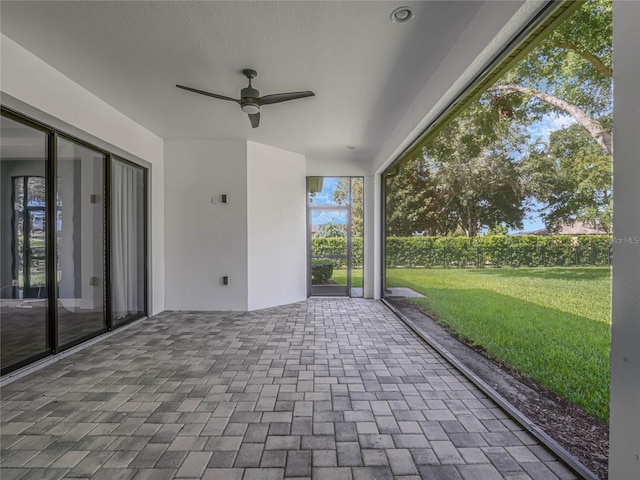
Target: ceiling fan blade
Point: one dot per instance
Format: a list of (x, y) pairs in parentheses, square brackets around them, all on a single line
[(255, 119), (208, 94), (283, 97)]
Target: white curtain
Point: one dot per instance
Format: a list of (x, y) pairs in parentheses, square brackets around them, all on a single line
[(126, 245)]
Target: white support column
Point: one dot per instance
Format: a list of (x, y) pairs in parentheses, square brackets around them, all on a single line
[(372, 235), (624, 444)]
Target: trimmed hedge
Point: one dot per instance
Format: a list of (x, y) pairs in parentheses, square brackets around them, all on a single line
[(338, 246), (499, 251), (481, 251), (321, 270)]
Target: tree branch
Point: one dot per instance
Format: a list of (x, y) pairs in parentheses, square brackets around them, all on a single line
[(592, 127), (594, 60)]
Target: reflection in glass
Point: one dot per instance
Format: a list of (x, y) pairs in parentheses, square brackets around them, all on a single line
[(23, 247), (127, 242), (80, 242)]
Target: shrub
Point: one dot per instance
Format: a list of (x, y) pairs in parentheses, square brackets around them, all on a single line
[(498, 251), (481, 251), (321, 270), (338, 246)]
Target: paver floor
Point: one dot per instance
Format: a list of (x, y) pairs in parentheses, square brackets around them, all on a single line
[(324, 389)]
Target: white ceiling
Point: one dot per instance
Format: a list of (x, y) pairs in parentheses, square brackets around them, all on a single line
[(364, 70)]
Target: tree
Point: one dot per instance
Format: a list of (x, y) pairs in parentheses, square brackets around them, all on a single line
[(481, 192), (411, 201), (349, 191), (571, 176), (569, 72), (329, 230), (466, 180), (475, 173)]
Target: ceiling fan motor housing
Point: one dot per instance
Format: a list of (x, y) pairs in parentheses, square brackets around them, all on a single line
[(249, 93), (249, 103)]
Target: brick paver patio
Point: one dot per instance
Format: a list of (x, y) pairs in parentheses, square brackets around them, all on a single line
[(324, 389)]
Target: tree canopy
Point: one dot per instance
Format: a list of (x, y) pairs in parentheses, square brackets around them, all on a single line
[(490, 165), (569, 72), (466, 180)]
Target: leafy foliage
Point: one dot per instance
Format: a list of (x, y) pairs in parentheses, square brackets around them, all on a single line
[(570, 72), (338, 246), (321, 270), (349, 191), (329, 230), (481, 171), (466, 180), (571, 176), (498, 251)]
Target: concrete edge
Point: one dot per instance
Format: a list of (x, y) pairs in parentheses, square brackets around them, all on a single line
[(569, 460), (51, 359)]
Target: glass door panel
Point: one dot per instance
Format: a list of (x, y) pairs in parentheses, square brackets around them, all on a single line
[(335, 217), (24, 332), (330, 273), (80, 242)]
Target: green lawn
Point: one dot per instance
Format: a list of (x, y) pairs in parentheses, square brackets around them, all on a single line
[(552, 324), (340, 276)]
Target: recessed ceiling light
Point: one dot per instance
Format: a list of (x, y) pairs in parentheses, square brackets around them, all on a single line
[(401, 15), (351, 147)]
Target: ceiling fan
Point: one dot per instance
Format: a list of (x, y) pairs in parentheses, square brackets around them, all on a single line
[(250, 99)]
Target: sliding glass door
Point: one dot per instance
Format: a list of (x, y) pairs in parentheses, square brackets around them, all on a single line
[(73, 260)]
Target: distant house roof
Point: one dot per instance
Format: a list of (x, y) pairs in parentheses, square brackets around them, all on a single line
[(575, 228)]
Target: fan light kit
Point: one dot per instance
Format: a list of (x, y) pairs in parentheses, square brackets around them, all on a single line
[(250, 99), (401, 15), (250, 108)]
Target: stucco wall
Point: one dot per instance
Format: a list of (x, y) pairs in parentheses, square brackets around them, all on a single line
[(276, 226), (206, 239)]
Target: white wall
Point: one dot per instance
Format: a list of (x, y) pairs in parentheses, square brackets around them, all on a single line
[(34, 88), (276, 226), (624, 440), (205, 240), (323, 167), (258, 238)]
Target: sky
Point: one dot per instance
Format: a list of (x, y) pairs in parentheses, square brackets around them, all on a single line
[(540, 131), (325, 197)]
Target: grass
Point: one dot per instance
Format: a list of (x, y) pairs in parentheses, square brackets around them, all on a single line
[(340, 276), (551, 324)]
